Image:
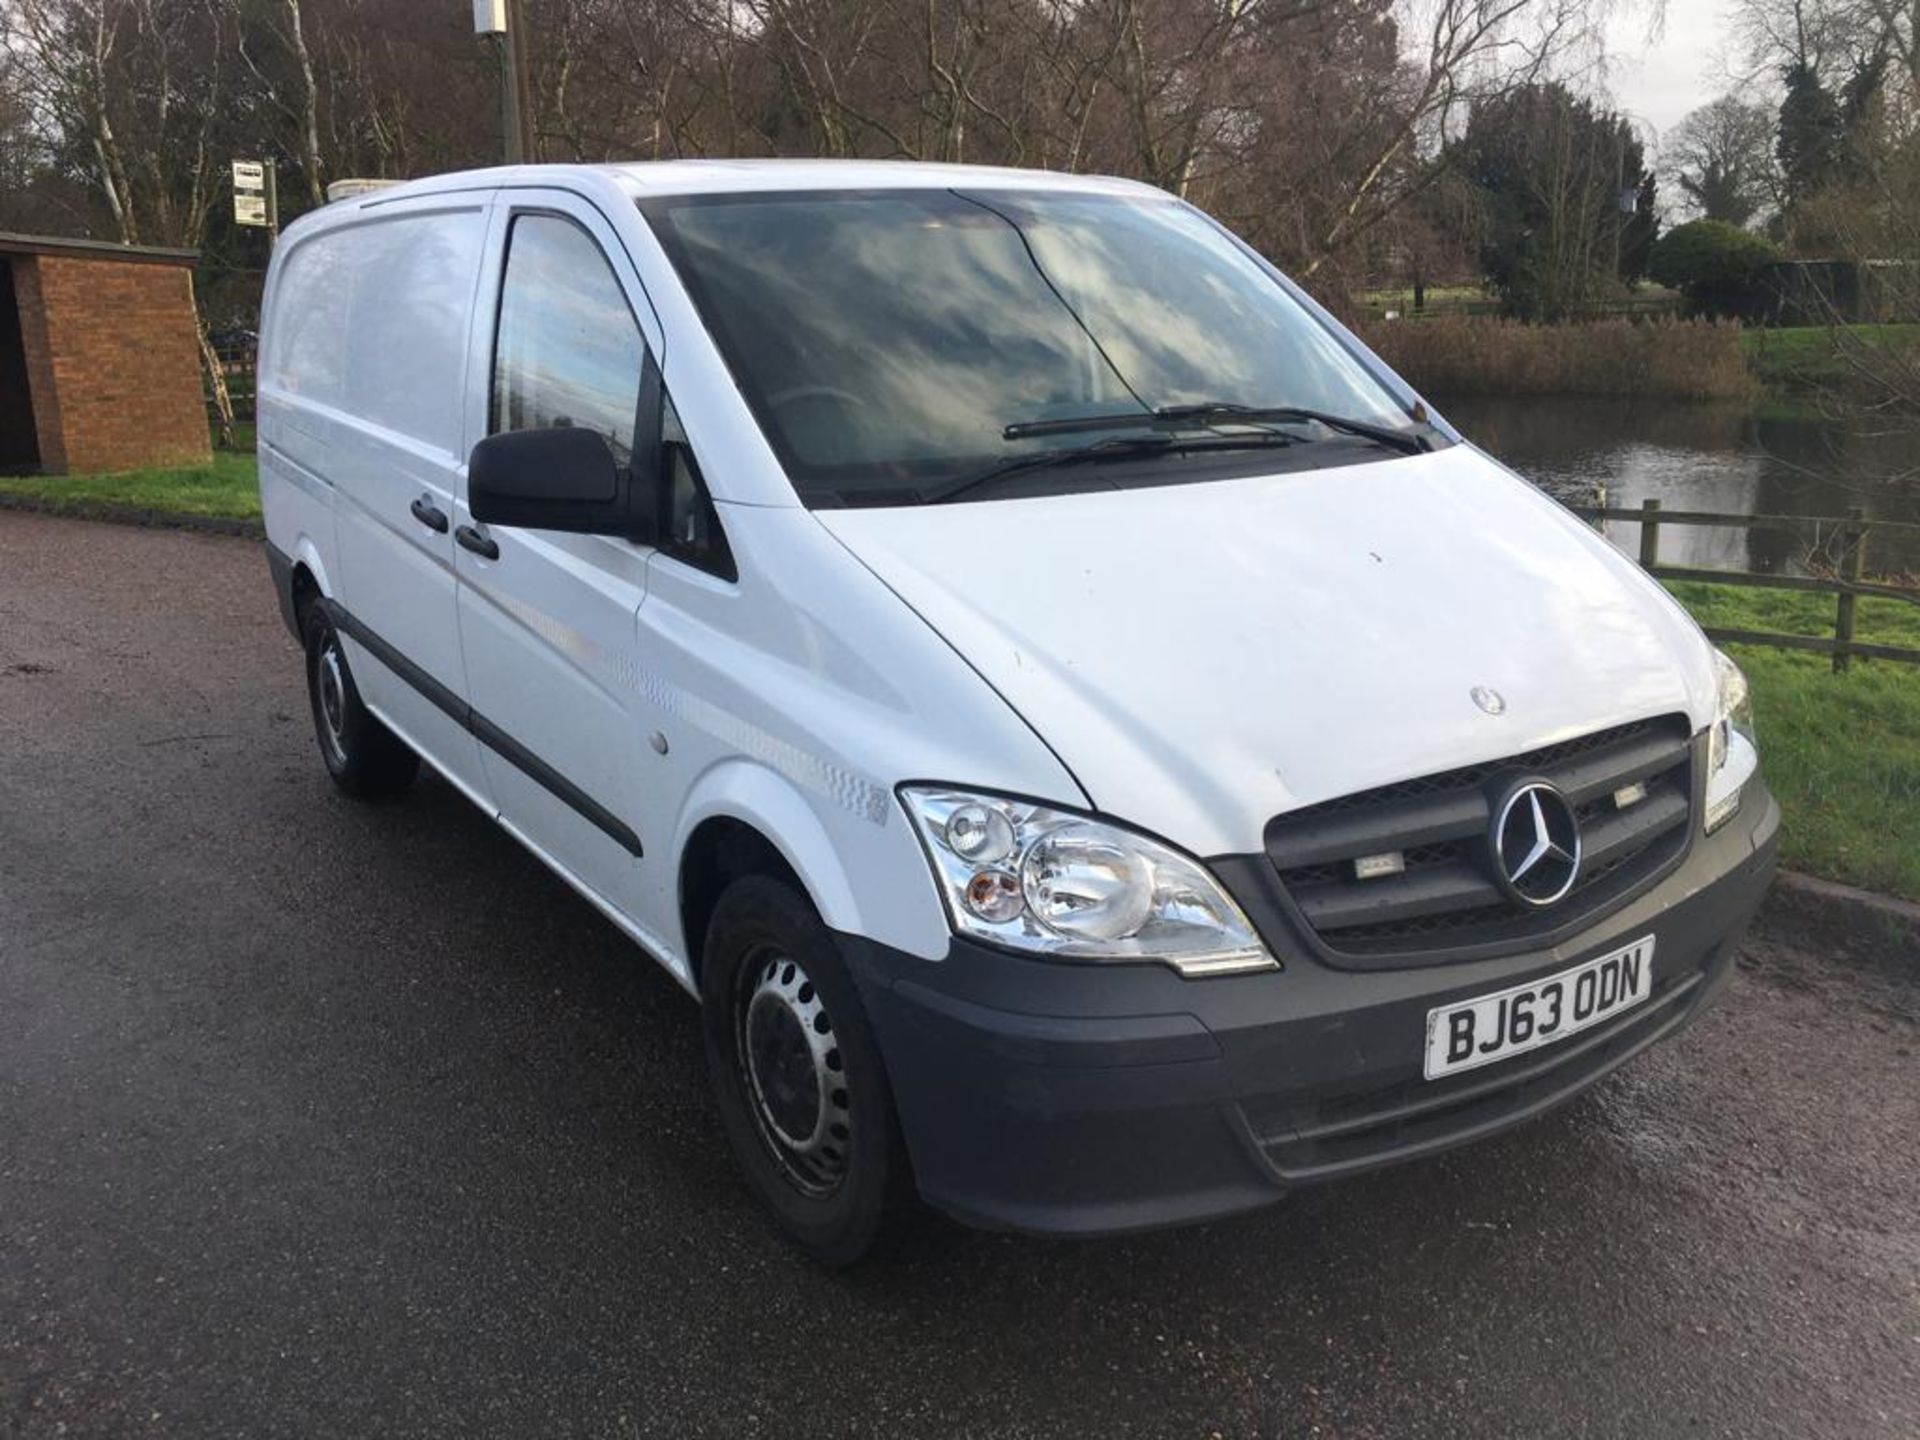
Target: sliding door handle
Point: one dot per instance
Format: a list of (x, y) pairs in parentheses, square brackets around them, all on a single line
[(429, 515), (478, 541)]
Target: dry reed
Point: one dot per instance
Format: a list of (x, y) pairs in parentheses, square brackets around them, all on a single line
[(1487, 355)]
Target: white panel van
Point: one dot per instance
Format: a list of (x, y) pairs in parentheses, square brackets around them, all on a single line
[(1098, 747)]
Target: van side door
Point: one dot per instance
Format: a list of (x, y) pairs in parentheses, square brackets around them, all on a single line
[(394, 447), (547, 620)]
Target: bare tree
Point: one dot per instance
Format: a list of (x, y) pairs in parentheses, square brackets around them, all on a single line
[(1474, 52), (135, 89), (1722, 155), (1309, 124)]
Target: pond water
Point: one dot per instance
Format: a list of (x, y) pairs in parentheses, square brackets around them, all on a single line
[(1708, 457)]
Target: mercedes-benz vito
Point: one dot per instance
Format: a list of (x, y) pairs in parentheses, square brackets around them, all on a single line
[(1099, 748)]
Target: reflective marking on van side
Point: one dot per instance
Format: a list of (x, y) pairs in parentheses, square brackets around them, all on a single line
[(851, 792)]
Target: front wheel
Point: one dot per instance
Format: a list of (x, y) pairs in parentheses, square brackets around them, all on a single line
[(803, 1095)]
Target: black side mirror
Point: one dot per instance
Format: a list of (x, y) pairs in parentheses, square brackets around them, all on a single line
[(563, 478)]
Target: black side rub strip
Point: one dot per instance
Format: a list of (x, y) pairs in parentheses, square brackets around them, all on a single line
[(488, 733)]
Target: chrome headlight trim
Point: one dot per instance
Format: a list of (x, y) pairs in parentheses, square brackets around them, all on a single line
[(1063, 885)]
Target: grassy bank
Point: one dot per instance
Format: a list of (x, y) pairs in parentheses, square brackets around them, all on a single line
[(1807, 358), (1486, 355), (226, 488), (1842, 752)]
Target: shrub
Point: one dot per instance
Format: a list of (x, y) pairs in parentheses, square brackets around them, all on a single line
[(1717, 266), (1486, 355)]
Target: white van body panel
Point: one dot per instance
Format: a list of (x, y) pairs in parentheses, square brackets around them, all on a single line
[(544, 629), (365, 380), (778, 712), (1206, 656)]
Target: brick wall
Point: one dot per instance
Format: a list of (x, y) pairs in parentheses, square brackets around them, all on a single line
[(113, 362)]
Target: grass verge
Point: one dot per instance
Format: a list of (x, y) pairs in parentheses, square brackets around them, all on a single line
[(226, 488), (1842, 752)]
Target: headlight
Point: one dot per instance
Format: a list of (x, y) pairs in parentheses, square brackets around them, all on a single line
[(1731, 755), (1058, 884)]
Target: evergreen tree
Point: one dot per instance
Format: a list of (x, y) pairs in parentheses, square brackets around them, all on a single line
[(1566, 199), (1812, 134)]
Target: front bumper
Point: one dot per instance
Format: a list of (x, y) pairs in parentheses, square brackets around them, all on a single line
[(1042, 1096)]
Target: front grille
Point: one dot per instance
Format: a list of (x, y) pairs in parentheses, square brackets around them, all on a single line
[(1447, 899)]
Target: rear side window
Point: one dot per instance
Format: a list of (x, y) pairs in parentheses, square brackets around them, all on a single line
[(412, 294), (569, 351), (372, 318), (306, 342)]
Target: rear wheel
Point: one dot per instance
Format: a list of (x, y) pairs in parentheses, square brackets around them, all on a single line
[(798, 1078), (366, 759)]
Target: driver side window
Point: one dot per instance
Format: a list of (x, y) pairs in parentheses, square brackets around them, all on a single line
[(568, 350)]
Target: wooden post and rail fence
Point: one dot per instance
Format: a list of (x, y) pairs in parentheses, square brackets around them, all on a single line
[(1846, 585)]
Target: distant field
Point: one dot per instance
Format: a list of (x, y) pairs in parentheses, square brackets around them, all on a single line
[(1813, 356), (1439, 297), (1643, 299)]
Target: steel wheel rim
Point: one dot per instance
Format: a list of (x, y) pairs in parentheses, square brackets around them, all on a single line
[(330, 686), (792, 1073)]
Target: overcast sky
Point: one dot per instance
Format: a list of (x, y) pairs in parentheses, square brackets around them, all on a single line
[(1658, 80)]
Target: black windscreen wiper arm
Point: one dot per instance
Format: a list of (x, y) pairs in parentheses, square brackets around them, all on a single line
[(1121, 447), (1409, 442), (1115, 449)]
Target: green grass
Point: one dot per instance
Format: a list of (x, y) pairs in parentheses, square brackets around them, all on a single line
[(1842, 752), (226, 488), (1810, 357)]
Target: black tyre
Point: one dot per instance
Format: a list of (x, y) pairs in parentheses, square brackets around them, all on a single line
[(366, 759), (801, 1088)]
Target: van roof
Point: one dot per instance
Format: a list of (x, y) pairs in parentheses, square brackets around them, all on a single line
[(700, 177)]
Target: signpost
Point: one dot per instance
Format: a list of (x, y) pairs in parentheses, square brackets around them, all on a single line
[(255, 196)]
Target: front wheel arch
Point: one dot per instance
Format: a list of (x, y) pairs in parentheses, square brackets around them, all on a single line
[(758, 818)]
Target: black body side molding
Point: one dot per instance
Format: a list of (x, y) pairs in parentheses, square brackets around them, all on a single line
[(483, 729)]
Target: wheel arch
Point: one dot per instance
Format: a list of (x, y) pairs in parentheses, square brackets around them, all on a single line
[(308, 574), (744, 819)]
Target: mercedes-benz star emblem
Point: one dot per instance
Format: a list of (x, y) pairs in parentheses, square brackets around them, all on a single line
[(1536, 844)]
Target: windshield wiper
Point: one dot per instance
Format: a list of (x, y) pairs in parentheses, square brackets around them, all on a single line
[(1174, 417), (1124, 447)]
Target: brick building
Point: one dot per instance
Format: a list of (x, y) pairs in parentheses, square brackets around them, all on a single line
[(99, 363)]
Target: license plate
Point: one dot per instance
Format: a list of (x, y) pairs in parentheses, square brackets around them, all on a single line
[(1471, 1033)]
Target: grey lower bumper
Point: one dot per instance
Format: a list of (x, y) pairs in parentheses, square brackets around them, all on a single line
[(1085, 1098)]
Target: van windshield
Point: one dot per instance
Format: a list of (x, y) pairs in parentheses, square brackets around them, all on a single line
[(898, 346)]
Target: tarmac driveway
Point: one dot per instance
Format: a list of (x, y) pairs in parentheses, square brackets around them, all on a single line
[(322, 1119)]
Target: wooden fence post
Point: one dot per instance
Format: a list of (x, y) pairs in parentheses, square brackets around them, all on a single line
[(1649, 534), (1853, 564)]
